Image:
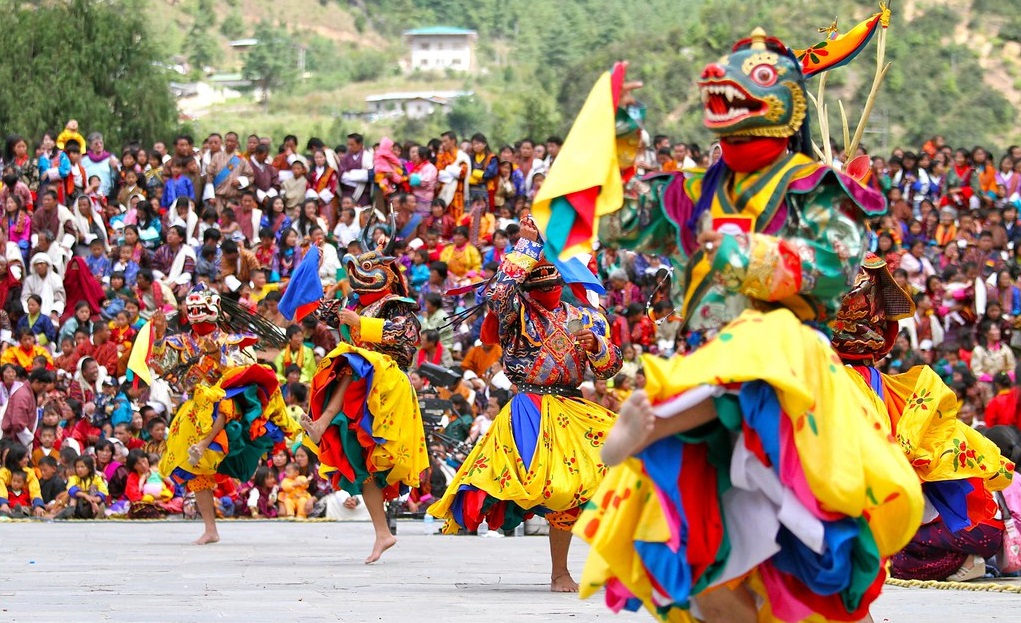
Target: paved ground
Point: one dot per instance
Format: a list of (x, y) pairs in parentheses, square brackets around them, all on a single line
[(265, 571)]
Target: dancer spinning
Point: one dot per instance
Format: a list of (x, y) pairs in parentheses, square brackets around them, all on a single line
[(540, 455), (959, 468), (365, 425), (235, 414), (771, 494)]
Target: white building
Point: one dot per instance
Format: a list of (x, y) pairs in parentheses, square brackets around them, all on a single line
[(439, 48), (411, 104)]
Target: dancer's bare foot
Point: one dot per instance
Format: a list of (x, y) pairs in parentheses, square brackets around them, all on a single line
[(207, 538), (195, 453), (563, 583), (381, 545), (633, 426), (316, 428)]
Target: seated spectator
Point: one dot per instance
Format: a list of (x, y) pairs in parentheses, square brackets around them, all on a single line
[(461, 256), (432, 351), (86, 490), (150, 494), (39, 323), (26, 350), (296, 353), (991, 356)]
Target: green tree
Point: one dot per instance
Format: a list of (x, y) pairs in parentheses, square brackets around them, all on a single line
[(202, 48), (107, 76), (468, 115), (233, 26), (271, 64)]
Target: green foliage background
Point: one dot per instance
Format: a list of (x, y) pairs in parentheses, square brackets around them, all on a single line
[(559, 48), (92, 61)]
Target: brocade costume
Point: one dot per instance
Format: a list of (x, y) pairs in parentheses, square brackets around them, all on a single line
[(541, 454), (220, 374), (378, 432)]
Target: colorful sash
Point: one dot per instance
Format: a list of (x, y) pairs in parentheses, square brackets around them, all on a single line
[(225, 172)]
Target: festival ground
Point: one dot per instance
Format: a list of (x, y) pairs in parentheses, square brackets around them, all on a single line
[(312, 572)]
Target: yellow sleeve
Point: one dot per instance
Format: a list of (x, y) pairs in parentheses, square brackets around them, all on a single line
[(372, 330)]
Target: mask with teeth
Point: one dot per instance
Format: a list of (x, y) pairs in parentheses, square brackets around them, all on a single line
[(757, 91)]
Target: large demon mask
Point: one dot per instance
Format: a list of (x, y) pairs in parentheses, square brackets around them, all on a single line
[(376, 270), (759, 90), (203, 306)]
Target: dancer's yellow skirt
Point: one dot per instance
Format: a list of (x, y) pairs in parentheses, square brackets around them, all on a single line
[(540, 456), (379, 431), (257, 419), (799, 487)]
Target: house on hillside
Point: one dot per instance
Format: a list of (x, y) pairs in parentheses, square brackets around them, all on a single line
[(412, 104), (439, 48)]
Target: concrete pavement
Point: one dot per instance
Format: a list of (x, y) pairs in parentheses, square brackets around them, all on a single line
[(312, 572)]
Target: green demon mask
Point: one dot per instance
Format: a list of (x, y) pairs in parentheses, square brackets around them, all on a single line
[(759, 90)]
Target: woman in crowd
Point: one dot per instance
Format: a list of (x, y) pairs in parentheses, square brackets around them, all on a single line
[(991, 355)]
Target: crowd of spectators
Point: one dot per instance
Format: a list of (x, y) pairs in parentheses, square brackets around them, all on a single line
[(95, 243)]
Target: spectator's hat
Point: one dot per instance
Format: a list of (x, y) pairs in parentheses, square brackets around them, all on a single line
[(925, 345), (42, 258), (110, 381)]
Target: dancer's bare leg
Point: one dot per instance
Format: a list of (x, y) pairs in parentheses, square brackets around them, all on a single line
[(637, 427), (207, 509), (316, 428), (559, 545), (723, 605), (373, 497), (196, 451), (868, 619)]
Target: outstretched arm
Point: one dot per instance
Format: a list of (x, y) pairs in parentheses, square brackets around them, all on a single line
[(820, 259), (504, 294)]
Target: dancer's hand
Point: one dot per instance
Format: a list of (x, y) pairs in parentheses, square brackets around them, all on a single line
[(710, 242), (587, 340), (529, 231), (349, 318), (159, 324), (627, 98)]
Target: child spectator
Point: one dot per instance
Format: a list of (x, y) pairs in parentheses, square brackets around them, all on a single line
[(294, 495), (86, 490), (51, 485), (179, 185), (126, 265), (262, 498), (121, 332), (47, 439), (17, 494), (68, 358), (157, 429), (97, 261)]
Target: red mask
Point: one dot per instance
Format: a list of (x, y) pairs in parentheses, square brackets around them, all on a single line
[(549, 299), (748, 156)]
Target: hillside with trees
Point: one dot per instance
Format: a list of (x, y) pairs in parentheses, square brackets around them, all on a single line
[(956, 63)]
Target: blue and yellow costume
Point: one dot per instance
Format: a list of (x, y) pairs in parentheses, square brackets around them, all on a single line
[(378, 432), (219, 373), (797, 490), (541, 454)]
